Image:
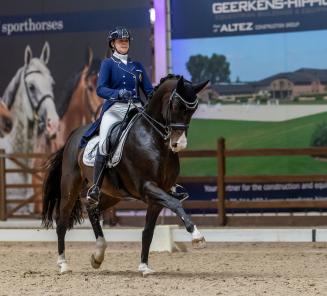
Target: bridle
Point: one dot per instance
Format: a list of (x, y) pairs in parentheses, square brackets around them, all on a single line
[(164, 130), (36, 105)]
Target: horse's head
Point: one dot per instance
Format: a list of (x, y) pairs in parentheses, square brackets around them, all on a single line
[(38, 84), (6, 122), (178, 103)]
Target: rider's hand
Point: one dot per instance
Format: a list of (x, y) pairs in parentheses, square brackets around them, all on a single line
[(125, 95)]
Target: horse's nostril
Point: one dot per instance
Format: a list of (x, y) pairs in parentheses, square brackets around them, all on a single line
[(8, 124), (174, 145)]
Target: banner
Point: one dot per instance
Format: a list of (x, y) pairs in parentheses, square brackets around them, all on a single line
[(212, 18), (266, 90), (51, 53)]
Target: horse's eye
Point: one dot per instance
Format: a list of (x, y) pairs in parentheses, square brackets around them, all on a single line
[(90, 88), (31, 87)]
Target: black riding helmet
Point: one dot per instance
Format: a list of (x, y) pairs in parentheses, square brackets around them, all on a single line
[(118, 33)]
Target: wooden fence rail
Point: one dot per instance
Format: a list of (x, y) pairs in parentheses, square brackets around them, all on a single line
[(221, 155), (221, 179)]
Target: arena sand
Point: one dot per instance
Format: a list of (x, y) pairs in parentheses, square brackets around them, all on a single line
[(220, 269)]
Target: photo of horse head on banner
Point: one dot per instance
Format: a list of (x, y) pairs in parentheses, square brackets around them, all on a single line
[(80, 104), (29, 100)]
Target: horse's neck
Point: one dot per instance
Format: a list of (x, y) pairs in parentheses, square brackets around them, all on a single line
[(21, 138), (154, 108), (74, 114)]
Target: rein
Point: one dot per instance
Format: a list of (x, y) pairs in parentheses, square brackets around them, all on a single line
[(169, 126)]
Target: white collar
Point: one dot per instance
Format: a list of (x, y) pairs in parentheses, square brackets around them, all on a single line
[(122, 57)]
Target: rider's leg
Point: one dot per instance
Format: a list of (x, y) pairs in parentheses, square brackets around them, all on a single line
[(101, 157), (114, 114), (98, 175)]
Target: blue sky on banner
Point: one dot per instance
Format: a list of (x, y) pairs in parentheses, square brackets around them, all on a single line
[(255, 57), (297, 37)]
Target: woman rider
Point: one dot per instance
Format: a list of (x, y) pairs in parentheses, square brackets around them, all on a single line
[(119, 81)]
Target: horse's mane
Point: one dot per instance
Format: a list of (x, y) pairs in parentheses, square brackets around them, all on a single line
[(94, 67), (63, 101), (162, 80)]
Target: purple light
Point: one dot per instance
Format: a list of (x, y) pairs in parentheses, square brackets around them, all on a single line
[(160, 58)]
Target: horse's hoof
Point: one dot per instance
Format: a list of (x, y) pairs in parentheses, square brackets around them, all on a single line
[(64, 268), (145, 270), (199, 243), (95, 264)]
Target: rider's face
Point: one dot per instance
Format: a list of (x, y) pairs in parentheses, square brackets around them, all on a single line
[(122, 45)]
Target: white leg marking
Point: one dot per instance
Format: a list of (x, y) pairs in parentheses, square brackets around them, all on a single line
[(62, 263), (145, 269), (198, 240), (100, 248)]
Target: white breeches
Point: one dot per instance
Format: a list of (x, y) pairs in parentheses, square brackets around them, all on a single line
[(115, 113)]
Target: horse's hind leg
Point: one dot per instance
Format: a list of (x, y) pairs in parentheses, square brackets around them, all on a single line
[(70, 189), (101, 244), (160, 197), (94, 216)]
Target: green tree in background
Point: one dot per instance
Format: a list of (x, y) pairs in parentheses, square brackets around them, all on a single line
[(216, 68)]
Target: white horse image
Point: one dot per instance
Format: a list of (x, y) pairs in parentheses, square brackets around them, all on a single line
[(30, 99)]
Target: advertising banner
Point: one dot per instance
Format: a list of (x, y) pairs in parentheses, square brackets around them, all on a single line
[(267, 68), (50, 57), (210, 18)]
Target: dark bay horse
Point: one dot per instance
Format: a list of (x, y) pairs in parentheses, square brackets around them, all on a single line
[(148, 169)]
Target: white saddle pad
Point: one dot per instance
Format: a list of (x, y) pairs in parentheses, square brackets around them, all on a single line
[(91, 149)]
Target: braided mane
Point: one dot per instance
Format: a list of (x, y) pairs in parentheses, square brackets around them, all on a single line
[(162, 80)]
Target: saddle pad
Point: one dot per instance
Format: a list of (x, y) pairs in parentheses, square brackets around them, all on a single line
[(91, 148)]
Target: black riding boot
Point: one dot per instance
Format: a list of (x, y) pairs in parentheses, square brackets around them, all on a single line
[(94, 192), (179, 192)]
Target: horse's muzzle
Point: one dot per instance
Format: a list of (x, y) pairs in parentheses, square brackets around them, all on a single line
[(179, 142)]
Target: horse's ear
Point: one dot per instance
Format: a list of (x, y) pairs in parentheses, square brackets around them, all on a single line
[(198, 87), (180, 84), (89, 56), (45, 53), (28, 55)]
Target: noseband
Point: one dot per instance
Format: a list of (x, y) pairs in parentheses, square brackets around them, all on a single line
[(169, 126)]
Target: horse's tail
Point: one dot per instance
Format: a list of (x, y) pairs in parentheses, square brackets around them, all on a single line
[(51, 188), (52, 194)]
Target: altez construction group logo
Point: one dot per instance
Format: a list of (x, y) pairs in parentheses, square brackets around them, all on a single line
[(30, 26)]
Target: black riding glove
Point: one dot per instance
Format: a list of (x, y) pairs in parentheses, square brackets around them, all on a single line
[(125, 95)]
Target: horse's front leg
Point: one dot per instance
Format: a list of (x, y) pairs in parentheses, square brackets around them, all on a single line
[(160, 197), (152, 214)]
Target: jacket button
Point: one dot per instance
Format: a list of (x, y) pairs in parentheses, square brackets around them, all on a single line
[(123, 76)]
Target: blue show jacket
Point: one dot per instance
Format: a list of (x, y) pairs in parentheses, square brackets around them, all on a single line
[(114, 75)]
